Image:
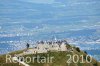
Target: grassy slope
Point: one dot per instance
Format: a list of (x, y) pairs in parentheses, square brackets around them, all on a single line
[(3, 60), (59, 59)]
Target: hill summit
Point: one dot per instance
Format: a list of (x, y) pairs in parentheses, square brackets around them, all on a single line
[(57, 53)]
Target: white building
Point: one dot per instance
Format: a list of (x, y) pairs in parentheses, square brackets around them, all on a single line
[(63, 47)]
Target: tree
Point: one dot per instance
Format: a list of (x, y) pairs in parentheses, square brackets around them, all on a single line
[(78, 49), (85, 52), (27, 46)]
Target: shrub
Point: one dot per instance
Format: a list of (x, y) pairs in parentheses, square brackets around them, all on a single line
[(77, 48)]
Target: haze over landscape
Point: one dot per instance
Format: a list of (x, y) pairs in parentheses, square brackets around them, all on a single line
[(23, 21)]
